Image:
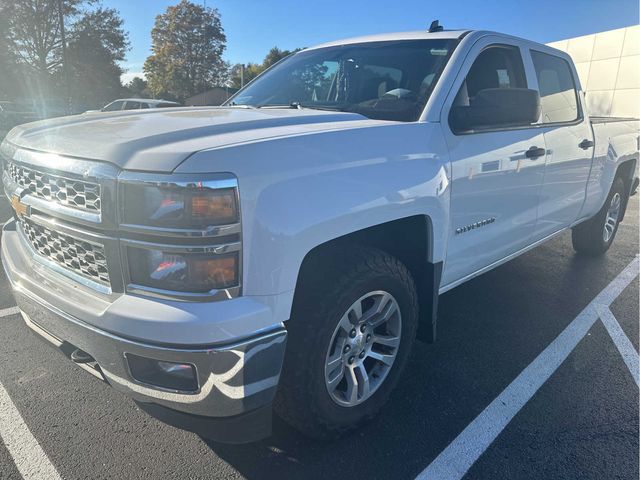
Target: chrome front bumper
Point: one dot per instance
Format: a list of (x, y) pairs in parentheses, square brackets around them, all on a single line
[(233, 378)]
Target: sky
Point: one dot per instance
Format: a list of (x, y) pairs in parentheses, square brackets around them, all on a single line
[(254, 26)]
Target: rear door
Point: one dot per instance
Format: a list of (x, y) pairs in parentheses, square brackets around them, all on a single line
[(569, 139), (495, 184)]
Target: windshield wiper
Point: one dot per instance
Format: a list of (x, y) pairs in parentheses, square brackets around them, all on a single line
[(241, 105), (302, 106)]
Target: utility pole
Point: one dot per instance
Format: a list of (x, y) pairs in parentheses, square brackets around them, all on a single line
[(65, 65)]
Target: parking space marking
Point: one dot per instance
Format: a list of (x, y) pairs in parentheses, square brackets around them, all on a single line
[(27, 454), (622, 342), (5, 312), (458, 457)]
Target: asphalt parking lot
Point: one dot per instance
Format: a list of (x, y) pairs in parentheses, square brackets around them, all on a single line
[(525, 381)]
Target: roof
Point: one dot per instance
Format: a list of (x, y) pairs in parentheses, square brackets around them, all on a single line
[(386, 37)]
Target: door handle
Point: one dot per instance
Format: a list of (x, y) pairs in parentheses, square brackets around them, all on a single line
[(584, 144), (535, 152)]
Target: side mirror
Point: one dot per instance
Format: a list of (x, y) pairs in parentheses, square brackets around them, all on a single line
[(497, 107)]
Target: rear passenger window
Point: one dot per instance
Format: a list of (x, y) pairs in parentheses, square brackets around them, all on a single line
[(558, 95)]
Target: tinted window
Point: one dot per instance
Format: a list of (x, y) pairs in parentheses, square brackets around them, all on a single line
[(494, 93), (166, 105), (558, 95), (496, 67), (382, 80), (144, 105), (113, 106), (132, 106)]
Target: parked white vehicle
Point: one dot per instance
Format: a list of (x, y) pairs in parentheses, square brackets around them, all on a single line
[(286, 248), (135, 104)]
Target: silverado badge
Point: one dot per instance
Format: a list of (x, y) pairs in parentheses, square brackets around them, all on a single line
[(473, 226)]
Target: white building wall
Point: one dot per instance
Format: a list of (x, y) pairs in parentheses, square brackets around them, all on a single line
[(608, 64)]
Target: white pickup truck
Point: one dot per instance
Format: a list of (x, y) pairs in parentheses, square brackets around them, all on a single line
[(283, 251)]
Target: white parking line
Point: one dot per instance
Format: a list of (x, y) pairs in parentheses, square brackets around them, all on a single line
[(30, 459), (622, 342), (5, 312), (455, 460)]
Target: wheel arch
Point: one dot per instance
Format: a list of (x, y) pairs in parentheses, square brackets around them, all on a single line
[(409, 239), (626, 171)]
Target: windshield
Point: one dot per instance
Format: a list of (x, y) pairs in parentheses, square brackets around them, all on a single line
[(381, 80)]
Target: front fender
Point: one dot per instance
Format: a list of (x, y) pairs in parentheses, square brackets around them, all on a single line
[(302, 191)]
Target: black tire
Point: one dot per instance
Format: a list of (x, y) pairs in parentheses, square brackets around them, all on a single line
[(334, 284), (588, 238)]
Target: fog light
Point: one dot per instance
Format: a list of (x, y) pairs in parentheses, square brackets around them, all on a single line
[(170, 375)]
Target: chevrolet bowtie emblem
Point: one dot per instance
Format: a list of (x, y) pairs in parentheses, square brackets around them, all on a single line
[(20, 208)]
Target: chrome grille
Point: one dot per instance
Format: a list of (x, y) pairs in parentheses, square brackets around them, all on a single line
[(78, 256), (77, 194)]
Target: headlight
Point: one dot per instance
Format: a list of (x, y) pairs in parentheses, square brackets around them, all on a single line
[(182, 272), (186, 238), (181, 205)]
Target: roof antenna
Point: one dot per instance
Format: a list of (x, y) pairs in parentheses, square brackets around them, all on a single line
[(435, 27)]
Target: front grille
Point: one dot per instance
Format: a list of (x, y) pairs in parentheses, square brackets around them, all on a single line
[(77, 194), (83, 258)]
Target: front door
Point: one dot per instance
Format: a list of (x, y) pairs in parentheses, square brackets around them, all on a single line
[(496, 173)]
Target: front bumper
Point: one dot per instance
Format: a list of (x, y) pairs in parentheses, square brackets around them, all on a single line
[(236, 381)]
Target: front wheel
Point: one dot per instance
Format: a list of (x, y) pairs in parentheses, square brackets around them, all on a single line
[(348, 340), (595, 236)]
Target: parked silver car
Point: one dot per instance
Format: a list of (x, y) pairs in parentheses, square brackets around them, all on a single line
[(137, 104)]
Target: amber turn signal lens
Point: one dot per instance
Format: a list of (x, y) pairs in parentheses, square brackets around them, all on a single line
[(220, 206), (193, 273), (215, 271)]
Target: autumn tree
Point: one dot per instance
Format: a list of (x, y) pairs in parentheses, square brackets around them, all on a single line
[(187, 46)]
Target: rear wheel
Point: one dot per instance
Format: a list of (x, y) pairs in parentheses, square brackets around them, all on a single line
[(595, 236), (349, 338)]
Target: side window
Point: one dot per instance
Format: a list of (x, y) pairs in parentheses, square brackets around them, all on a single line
[(498, 66), (132, 105), (494, 94), (144, 105), (114, 106), (558, 95)]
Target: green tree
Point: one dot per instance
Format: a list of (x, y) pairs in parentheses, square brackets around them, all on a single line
[(187, 44), (98, 43), (35, 35), (275, 55), (252, 70), (9, 85), (137, 87)]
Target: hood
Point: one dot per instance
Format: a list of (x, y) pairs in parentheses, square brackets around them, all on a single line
[(160, 139)]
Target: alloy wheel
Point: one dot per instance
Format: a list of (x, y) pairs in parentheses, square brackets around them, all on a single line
[(363, 348)]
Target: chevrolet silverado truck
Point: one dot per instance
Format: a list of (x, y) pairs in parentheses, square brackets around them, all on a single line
[(282, 252)]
